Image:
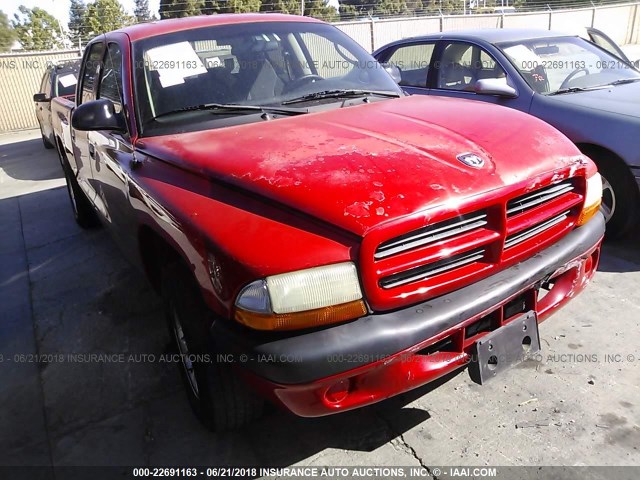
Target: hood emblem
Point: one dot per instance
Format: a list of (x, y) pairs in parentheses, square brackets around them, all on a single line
[(471, 160)]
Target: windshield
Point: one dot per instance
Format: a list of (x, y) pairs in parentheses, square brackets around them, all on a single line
[(264, 64), (554, 65)]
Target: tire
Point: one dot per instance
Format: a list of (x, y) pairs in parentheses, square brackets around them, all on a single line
[(83, 211), (47, 144), (620, 197), (219, 399)]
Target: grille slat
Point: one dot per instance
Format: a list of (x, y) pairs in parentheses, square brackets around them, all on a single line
[(520, 237), (478, 241), (429, 270), (531, 200), (431, 234)]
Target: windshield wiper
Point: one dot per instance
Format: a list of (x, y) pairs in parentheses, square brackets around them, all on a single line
[(340, 94), (623, 81), (241, 109), (575, 89)]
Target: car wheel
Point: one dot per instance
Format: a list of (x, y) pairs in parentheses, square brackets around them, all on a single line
[(83, 211), (619, 198), (218, 397)]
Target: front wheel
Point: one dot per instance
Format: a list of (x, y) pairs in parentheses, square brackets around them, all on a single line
[(219, 399), (620, 199)]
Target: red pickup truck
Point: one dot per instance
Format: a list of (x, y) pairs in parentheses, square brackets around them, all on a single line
[(318, 236)]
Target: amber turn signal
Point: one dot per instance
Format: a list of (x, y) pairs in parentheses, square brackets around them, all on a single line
[(300, 320), (588, 213)]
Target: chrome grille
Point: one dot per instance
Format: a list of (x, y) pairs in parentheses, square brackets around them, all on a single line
[(530, 200), (425, 271), (430, 234), (530, 232)]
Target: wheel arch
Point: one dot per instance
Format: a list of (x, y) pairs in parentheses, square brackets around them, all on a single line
[(156, 252), (599, 153)]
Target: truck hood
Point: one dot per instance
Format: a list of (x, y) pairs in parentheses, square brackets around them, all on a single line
[(357, 167), (621, 99)]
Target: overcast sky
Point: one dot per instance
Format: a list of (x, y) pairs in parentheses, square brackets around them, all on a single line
[(60, 8)]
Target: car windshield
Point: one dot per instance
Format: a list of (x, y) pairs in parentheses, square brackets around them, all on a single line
[(566, 64), (192, 76)]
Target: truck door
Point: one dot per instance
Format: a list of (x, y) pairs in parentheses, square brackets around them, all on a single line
[(89, 76), (43, 109), (111, 154)]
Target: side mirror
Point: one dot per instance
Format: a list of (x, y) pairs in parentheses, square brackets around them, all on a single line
[(98, 115), (392, 70), (495, 86), (40, 97)]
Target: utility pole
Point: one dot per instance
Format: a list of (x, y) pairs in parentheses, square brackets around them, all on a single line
[(302, 7)]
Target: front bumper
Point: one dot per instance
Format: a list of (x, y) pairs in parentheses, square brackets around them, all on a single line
[(381, 355)]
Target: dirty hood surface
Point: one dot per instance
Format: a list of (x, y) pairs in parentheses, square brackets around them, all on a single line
[(359, 166)]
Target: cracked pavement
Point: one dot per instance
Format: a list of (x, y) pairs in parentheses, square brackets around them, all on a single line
[(67, 293)]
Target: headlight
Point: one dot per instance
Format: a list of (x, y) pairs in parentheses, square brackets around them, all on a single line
[(592, 198), (302, 299)]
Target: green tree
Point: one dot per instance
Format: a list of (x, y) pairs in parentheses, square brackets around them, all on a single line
[(320, 9), (103, 16), (414, 7), (181, 8), (77, 11), (7, 34), (236, 6), (37, 29), (281, 6), (390, 8), (347, 11), (446, 7), (209, 7), (242, 6), (141, 11), (350, 9)]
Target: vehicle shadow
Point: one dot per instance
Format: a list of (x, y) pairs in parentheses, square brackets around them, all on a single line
[(123, 405), (621, 255), (365, 430), (86, 300), (29, 160)]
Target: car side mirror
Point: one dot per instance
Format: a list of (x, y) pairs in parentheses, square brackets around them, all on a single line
[(392, 70), (98, 115), (40, 97), (495, 86)]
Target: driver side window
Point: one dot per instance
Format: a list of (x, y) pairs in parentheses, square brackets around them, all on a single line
[(92, 64), (111, 78), (461, 65), (413, 62)]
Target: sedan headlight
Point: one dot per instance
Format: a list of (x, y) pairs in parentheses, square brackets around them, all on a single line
[(302, 299), (592, 198)]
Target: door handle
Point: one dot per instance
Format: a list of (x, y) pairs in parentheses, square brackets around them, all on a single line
[(92, 150)]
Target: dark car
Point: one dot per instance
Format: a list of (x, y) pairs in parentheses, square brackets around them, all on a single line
[(59, 80), (589, 94)]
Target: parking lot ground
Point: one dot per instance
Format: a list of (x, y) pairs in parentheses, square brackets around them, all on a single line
[(67, 293)]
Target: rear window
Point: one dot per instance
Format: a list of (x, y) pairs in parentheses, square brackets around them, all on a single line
[(66, 83)]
